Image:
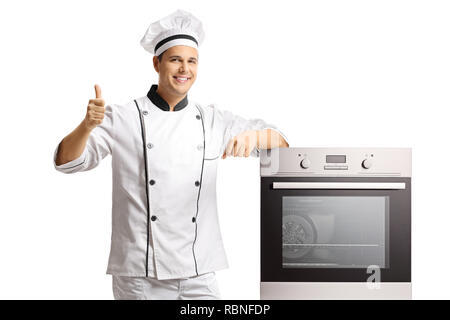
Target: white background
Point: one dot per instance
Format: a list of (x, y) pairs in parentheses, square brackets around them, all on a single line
[(327, 73)]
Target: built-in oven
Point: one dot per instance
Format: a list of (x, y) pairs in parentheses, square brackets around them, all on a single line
[(336, 223)]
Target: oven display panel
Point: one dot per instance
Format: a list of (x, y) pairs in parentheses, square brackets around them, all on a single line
[(336, 159)]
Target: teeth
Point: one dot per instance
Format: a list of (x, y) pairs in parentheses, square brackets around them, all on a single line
[(182, 79)]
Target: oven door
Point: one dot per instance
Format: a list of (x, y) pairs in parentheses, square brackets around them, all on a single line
[(335, 229)]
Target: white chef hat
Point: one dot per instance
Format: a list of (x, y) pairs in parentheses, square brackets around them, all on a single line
[(178, 28)]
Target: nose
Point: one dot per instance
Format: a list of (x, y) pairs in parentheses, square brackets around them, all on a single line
[(183, 66)]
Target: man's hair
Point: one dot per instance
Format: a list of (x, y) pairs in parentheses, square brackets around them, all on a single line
[(160, 56)]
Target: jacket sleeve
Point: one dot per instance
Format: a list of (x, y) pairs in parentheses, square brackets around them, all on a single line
[(99, 145), (234, 125)]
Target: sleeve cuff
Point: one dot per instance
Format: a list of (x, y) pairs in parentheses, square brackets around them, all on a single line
[(71, 165)]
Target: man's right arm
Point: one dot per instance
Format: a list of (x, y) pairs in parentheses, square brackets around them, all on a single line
[(73, 145)]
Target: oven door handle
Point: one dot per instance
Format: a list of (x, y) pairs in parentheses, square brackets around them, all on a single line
[(341, 185)]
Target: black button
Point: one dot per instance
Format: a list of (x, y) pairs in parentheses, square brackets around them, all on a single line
[(198, 117), (193, 219), (153, 218), (197, 183), (152, 182)]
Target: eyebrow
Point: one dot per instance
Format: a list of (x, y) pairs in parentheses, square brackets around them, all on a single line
[(181, 57)]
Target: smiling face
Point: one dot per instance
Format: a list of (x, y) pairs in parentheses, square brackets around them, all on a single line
[(177, 70)]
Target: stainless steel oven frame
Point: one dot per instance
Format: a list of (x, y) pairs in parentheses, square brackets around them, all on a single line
[(388, 175)]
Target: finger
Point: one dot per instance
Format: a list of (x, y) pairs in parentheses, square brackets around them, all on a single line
[(98, 92), (94, 115), (230, 147), (240, 149), (94, 107), (98, 102), (235, 146), (224, 155), (250, 149), (247, 146), (97, 114), (247, 152)]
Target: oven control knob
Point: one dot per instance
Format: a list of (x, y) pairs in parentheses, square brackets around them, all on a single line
[(367, 163), (305, 163)]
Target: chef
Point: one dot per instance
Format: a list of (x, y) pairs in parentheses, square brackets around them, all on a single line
[(166, 241)]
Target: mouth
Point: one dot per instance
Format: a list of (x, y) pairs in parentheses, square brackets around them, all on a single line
[(181, 79)]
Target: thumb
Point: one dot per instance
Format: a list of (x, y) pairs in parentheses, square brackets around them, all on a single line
[(98, 92)]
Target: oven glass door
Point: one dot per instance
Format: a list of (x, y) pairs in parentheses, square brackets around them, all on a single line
[(335, 229)]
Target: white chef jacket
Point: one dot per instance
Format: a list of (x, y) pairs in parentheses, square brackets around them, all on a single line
[(164, 163)]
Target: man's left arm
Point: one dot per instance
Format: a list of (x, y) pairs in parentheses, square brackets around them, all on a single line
[(244, 143)]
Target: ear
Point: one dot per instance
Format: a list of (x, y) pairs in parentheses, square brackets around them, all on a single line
[(156, 63)]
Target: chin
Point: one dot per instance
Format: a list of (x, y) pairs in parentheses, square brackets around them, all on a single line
[(182, 90)]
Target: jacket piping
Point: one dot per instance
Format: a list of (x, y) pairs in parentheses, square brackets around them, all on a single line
[(77, 164), (146, 183), (199, 189), (212, 158)]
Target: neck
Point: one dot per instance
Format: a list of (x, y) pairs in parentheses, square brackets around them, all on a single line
[(171, 100)]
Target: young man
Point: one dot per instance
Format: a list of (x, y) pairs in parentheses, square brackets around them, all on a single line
[(166, 241)]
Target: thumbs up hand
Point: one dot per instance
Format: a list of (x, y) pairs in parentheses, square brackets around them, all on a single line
[(95, 110)]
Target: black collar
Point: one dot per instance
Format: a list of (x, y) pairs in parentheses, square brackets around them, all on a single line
[(161, 103)]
